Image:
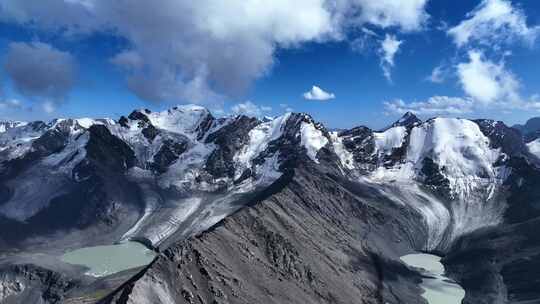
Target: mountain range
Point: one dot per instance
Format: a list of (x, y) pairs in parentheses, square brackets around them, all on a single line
[(275, 210)]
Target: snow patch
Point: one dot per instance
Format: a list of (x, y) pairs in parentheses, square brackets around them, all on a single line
[(16, 142), (180, 119), (390, 139), (534, 147), (457, 146), (259, 138), (313, 140), (346, 158), (86, 122)]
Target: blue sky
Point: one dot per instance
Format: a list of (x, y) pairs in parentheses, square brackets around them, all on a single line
[(370, 61)]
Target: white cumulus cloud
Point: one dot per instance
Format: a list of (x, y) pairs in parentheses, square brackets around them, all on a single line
[(316, 93), (487, 81), (494, 22)]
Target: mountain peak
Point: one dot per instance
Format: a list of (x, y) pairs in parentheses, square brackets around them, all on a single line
[(408, 119)]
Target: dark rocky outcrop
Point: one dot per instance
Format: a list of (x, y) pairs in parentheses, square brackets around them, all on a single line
[(508, 139), (167, 154), (108, 151), (408, 120), (229, 140), (360, 142)]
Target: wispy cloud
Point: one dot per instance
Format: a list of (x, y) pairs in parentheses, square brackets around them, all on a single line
[(250, 109), (487, 81), (438, 75), (11, 104), (285, 107), (436, 105), (389, 48)]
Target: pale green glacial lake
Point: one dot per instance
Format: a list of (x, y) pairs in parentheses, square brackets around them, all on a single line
[(439, 289), (106, 260)]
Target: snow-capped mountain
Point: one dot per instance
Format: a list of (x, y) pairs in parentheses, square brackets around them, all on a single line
[(191, 168), (465, 163), (162, 178), (6, 125)]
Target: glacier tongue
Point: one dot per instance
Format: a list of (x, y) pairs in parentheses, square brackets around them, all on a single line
[(437, 217)]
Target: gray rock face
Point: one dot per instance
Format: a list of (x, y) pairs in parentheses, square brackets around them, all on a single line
[(360, 142), (229, 140), (32, 284)]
